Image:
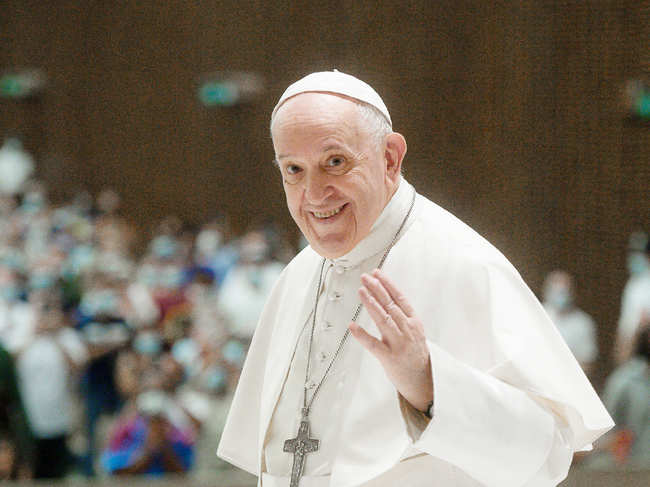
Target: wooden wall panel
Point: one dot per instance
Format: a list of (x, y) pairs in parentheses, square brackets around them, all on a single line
[(510, 109)]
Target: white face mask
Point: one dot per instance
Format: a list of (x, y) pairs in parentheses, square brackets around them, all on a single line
[(637, 263)]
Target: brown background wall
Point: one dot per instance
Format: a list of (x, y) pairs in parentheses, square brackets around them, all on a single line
[(511, 110)]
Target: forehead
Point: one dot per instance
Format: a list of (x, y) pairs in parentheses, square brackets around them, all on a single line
[(308, 111)]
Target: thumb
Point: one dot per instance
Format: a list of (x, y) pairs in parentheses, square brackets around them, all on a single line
[(369, 342)]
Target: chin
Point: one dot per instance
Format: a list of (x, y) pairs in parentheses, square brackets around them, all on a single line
[(332, 251)]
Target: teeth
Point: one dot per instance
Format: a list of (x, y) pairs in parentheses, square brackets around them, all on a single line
[(327, 214)]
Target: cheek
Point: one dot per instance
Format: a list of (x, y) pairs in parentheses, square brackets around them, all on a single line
[(293, 201)]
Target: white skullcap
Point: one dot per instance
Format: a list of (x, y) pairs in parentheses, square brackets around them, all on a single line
[(337, 83)]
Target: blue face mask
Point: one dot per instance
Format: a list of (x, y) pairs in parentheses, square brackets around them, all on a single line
[(214, 379), (10, 293), (100, 302), (164, 247), (234, 352), (172, 278), (637, 263), (41, 280), (147, 343), (559, 298)]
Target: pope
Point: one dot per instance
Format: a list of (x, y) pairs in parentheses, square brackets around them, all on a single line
[(399, 346)]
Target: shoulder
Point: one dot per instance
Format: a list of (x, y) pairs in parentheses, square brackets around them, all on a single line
[(439, 238)]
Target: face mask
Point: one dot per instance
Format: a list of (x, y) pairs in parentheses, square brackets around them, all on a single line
[(234, 352), (33, 203), (172, 277), (100, 302), (164, 247), (214, 379), (147, 343), (10, 293), (637, 263), (41, 280), (559, 298)]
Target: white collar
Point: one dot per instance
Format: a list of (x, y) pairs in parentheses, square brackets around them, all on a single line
[(383, 230)]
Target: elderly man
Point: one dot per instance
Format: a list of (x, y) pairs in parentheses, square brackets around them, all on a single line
[(454, 375)]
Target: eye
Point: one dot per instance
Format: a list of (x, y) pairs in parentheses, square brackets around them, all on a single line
[(335, 161), (292, 169)]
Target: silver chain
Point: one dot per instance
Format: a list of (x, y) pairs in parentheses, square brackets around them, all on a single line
[(307, 405)]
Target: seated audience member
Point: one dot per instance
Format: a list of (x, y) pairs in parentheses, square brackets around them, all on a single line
[(105, 331), (245, 289), (576, 327), (45, 365), (147, 441), (635, 302), (626, 397)]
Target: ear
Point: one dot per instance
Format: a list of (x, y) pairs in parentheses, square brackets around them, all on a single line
[(394, 155)]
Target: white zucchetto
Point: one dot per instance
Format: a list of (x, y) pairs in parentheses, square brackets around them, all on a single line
[(337, 83)]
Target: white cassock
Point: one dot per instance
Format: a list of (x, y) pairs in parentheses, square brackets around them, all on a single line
[(578, 330), (511, 402)]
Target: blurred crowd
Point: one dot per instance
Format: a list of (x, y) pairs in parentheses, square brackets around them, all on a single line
[(115, 362), (626, 394)]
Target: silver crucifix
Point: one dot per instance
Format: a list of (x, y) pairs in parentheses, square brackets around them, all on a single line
[(300, 446)]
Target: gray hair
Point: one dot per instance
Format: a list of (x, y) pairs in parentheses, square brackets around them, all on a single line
[(374, 121)]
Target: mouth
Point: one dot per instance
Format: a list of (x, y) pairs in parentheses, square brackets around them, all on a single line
[(324, 215)]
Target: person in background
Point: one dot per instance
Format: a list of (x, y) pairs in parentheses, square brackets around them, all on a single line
[(627, 398), (146, 442), (16, 440), (16, 166), (154, 434), (245, 289), (576, 327), (101, 322), (214, 250), (635, 302), (46, 364)]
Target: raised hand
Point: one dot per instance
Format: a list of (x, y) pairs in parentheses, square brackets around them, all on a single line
[(402, 349)]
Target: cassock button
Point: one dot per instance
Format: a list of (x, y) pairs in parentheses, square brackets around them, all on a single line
[(322, 356), (335, 296), (339, 269), (327, 326), (311, 384)]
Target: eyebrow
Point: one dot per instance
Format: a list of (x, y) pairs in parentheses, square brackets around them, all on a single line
[(328, 148)]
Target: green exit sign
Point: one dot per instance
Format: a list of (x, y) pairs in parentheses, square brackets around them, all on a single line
[(219, 93), (21, 84)]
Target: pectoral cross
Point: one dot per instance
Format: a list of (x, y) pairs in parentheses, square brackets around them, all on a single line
[(300, 446)]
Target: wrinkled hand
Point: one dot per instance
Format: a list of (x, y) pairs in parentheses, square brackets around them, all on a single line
[(402, 349)]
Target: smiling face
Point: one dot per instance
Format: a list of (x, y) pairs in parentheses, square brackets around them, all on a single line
[(337, 179)]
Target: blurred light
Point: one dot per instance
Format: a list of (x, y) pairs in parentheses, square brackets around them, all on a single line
[(21, 84), (229, 88), (219, 94), (643, 106)]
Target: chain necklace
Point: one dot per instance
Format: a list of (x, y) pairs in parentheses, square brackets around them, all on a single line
[(302, 444)]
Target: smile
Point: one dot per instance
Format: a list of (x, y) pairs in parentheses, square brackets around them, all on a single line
[(327, 214)]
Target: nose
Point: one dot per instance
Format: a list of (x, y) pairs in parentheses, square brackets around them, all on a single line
[(317, 186)]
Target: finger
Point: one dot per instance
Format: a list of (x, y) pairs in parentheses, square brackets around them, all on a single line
[(396, 295), (378, 291), (386, 325), (369, 342)]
